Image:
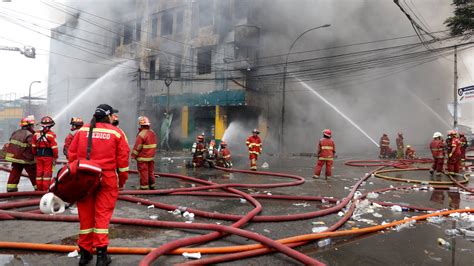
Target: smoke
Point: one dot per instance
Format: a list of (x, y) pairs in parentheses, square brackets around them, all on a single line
[(379, 100)]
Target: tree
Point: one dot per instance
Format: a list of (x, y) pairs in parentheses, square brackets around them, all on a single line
[(463, 20)]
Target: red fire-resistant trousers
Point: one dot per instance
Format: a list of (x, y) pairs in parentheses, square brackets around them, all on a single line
[(15, 174), (253, 161), (44, 172), (454, 163), (438, 164), (95, 212), (147, 174), (320, 165)]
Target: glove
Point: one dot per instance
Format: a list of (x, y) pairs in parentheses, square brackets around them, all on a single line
[(123, 177)]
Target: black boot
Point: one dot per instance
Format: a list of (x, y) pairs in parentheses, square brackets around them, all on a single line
[(86, 257), (102, 258)]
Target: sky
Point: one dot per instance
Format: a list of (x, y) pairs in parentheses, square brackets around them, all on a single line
[(17, 71)]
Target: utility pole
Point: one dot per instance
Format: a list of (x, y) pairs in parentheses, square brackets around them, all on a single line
[(455, 104), (141, 93)]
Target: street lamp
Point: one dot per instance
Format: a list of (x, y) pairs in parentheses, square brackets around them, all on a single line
[(282, 129), (29, 96)]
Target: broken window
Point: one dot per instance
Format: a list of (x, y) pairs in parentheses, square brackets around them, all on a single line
[(138, 30), (163, 68), (205, 13), (166, 23), (127, 33), (154, 26), (152, 68), (177, 67), (179, 21), (204, 57)]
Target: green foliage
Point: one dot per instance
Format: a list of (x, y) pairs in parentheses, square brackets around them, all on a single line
[(463, 20)]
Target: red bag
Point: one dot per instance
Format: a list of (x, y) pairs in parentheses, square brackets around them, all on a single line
[(76, 180)]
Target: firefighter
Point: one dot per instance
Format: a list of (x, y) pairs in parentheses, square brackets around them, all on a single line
[(212, 153), (198, 151), (384, 146), (144, 152), (454, 153), (410, 153), (400, 146), (224, 158), (326, 152), (255, 147), (76, 123), (464, 145), (110, 150), (20, 154), (437, 150), (45, 148)]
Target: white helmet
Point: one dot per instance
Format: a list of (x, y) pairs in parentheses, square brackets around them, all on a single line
[(52, 204), (437, 135)]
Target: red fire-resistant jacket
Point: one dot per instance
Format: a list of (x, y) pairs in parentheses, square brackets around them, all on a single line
[(326, 149), (145, 146), (455, 150), (225, 154), (410, 153), (254, 144), (19, 147), (44, 144), (399, 141), (67, 141), (109, 149), (384, 141), (437, 148)]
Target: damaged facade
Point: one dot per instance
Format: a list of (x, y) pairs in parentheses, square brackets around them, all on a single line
[(205, 50)]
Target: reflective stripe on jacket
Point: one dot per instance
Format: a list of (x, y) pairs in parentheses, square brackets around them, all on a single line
[(254, 144), (19, 147), (44, 143), (326, 149), (145, 146)]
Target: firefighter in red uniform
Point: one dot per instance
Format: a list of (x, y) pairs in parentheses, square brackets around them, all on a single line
[(437, 150), (255, 147), (454, 153), (109, 150), (410, 153), (464, 145), (198, 151), (45, 149), (19, 153), (384, 146), (144, 152), (224, 158), (76, 123), (326, 152), (400, 146)]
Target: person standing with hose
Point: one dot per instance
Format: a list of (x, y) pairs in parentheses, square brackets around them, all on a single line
[(20, 154), (109, 149), (144, 152), (45, 148), (437, 150), (326, 152), (254, 144)]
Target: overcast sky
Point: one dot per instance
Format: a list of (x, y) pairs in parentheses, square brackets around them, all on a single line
[(16, 70)]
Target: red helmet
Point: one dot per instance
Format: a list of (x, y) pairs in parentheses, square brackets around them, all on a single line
[(200, 137), (223, 143), (47, 121), (452, 132), (27, 121), (76, 121), (461, 133), (144, 121), (327, 132)]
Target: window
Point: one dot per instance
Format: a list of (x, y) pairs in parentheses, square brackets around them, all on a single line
[(179, 21), (204, 57), (138, 30), (163, 68), (127, 34), (166, 23), (152, 68), (154, 27), (205, 13), (241, 8), (177, 67)]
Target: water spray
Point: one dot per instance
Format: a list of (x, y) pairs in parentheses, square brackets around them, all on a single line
[(430, 109), (304, 84)]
